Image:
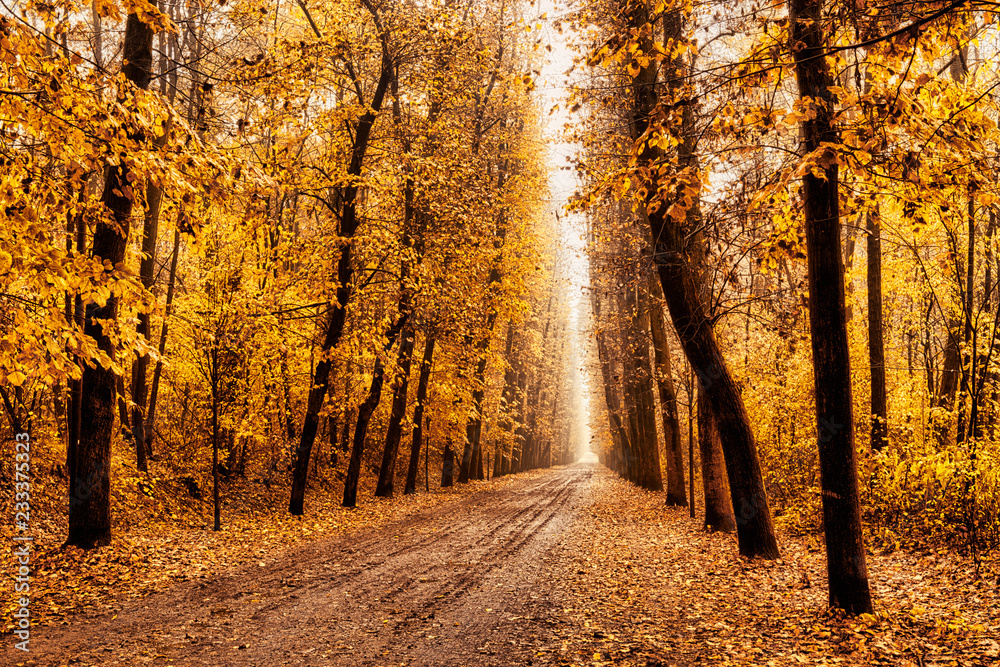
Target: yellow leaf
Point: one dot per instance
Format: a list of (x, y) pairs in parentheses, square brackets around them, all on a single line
[(17, 378)]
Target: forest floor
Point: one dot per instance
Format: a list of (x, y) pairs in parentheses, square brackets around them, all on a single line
[(565, 566)]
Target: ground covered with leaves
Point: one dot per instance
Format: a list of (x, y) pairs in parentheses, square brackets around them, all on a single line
[(627, 580), (163, 535), (645, 585)]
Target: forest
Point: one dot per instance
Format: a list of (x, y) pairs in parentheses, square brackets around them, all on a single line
[(674, 324)]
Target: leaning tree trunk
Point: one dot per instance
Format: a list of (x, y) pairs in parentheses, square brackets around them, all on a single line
[(754, 524), (390, 450), (365, 412), (845, 549), (90, 490)]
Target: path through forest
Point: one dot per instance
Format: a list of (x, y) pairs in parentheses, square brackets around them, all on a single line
[(567, 566), (452, 585)]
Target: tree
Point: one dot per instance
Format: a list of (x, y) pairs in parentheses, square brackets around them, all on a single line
[(876, 344), (846, 566), (676, 491), (754, 524), (347, 197), (90, 466)]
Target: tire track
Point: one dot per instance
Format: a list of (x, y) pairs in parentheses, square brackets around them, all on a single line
[(446, 586)]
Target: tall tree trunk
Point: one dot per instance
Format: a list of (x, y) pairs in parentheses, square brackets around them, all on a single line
[(521, 433), (418, 415), (365, 413), (754, 524), (387, 472), (90, 495), (507, 399), (74, 414), (149, 428), (345, 274), (718, 504), (966, 395), (690, 417), (651, 476), (473, 431), (150, 228), (846, 567), (448, 466), (676, 491), (876, 347), (214, 369), (619, 437)]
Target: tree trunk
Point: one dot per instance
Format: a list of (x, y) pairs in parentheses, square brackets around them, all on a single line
[(387, 472), (147, 264), (969, 361), (718, 505), (448, 466), (473, 429), (149, 428), (345, 274), (216, 505), (845, 550), (418, 415), (619, 437), (90, 492), (676, 491), (876, 347), (754, 525), (649, 447), (74, 412), (365, 413), (690, 397), (507, 399)]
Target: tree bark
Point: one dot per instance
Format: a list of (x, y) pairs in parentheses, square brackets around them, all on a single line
[(90, 490), (754, 525), (345, 274), (876, 346), (387, 471), (507, 399), (718, 505), (846, 567), (418, 415), (448, 466), (365, 413), (150, 228), (649, 447), (676, 490), (149, 428)]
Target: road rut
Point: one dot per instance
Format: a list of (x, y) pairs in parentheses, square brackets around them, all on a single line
[(454, 585)]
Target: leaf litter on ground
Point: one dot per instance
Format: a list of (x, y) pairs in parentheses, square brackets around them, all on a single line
[(644, 584)]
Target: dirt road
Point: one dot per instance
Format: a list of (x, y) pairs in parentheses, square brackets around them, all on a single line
[(456, 585)]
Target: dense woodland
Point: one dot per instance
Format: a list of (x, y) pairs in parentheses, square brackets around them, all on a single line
[(311, 245), (814, 188)]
